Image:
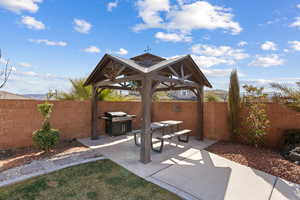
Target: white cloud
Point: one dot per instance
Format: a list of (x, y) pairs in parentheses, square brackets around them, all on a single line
[(18, 6), (296, 23), (48, 42), (216, 72), (32, 23), (269, 46), (295, 45), (82, 26), (122, 52), (298, 6), (149, 11), (24, 64), (221, 51), (172, 37), (242, 43), (209, 61), (92, 49), (112, 5), (267, 61), (185, 17), (30, 73), (32, 82)]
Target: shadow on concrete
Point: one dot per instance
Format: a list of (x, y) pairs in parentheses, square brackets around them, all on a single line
[(181, 165)]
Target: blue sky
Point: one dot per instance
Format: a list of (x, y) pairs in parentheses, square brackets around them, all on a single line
[(50, 41)]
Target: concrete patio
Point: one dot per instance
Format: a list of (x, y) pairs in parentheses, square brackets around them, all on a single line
[(193, 173)]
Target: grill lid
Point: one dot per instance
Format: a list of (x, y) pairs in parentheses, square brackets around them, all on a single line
[(115, 114)]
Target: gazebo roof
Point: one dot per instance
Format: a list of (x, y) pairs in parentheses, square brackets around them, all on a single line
[(148, 63)]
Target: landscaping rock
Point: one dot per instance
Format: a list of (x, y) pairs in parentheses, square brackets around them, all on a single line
[(295, 155)]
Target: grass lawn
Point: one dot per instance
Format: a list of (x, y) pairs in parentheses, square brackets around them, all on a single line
[(103, 180)]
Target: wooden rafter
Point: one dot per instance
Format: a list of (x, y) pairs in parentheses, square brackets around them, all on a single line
[(120, 80), (176, 81), (119, 88), (173, 71)]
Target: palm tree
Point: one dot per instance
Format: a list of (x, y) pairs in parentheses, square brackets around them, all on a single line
[(290, 97), (81, 92), (234, 104)]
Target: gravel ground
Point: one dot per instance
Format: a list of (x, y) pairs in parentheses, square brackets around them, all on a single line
[(262, 159), (20, 156)]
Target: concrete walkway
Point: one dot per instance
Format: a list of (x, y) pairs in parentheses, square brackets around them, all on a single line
[(193, 173), (45, 166)]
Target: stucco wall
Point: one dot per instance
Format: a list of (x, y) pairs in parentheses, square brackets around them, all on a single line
[(19, 118)]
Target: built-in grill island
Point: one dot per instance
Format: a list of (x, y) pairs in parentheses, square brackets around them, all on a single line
[(118, 123)]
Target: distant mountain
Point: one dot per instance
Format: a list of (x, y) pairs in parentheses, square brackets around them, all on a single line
[(222, 94), (9, 95), (36, 96)]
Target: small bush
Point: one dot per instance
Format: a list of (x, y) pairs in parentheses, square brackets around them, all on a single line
[(256, 121), (46, 137), (211, 98)]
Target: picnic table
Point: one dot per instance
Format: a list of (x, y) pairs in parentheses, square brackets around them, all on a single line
[(168, 129)]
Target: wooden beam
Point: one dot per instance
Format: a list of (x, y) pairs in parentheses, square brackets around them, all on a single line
[(173, 71), (120, 80), (182, 71), (155, 87), (119, 88), (172, 80), (94, 112), (200, 113), (121, 70), (145, 154), (173, 88)]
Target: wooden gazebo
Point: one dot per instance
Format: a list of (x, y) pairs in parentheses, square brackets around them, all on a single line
[(147, 73)]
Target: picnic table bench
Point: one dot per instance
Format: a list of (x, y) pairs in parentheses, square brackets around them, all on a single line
[(162, 126)]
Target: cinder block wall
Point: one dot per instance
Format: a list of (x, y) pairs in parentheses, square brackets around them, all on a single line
[(19, 118)]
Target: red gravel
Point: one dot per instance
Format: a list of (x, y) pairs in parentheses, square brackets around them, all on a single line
[(20, 156), (262, 159)]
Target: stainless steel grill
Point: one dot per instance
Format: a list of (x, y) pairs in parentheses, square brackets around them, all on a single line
[(118, 123)]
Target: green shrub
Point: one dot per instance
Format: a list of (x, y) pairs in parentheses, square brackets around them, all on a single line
[(46, 137), (210, 97), (256, 121)]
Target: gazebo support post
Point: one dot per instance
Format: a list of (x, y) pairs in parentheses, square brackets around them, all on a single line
[(94, 111), (145, 154), (200, 113)]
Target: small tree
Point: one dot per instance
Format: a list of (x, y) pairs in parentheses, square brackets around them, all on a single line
[(290, 97), (80, 92), (46, 137), (4, 71), (256, 121), (234, 104), (211, 97)]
